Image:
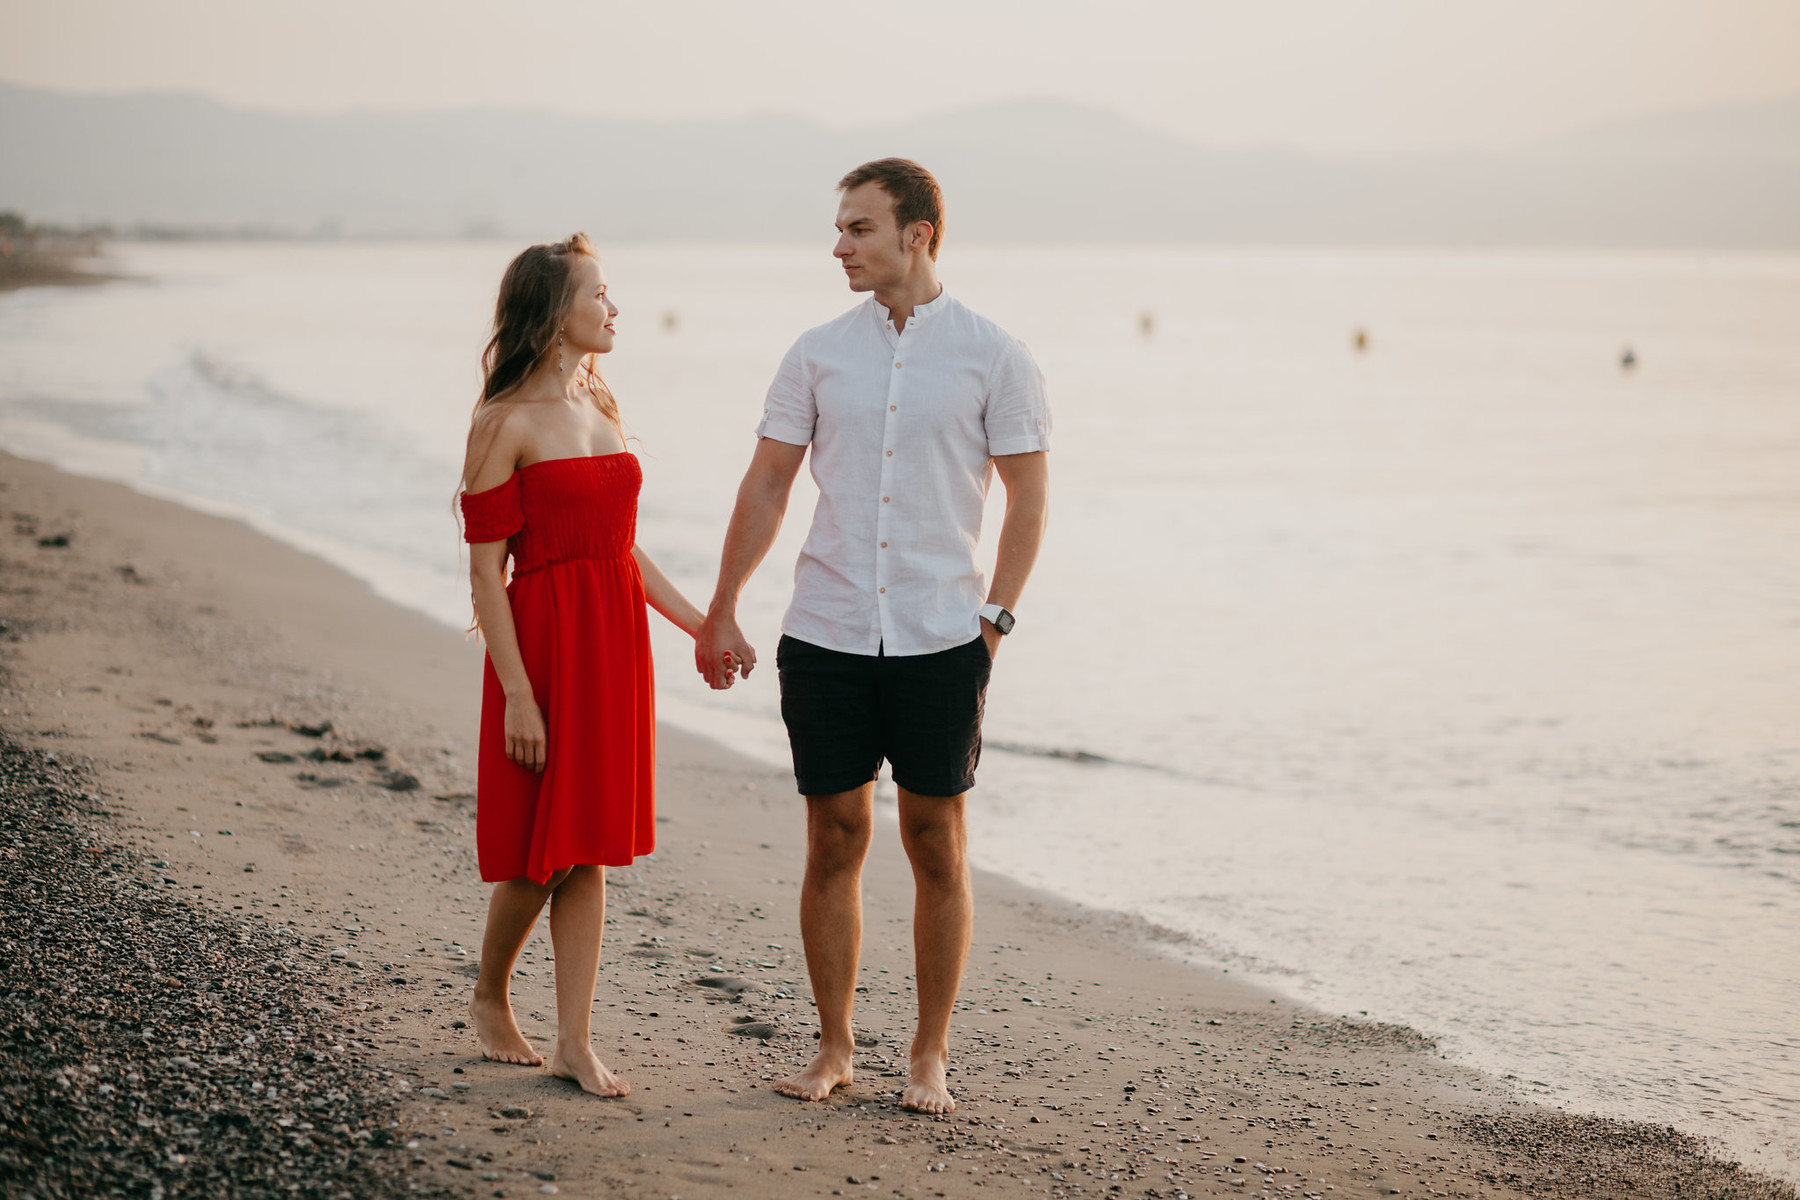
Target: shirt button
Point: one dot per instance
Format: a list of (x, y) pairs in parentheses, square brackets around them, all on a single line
[(884, 545), (897, 366), (884, 591), (892, 407), (884, 499), (890, 454)]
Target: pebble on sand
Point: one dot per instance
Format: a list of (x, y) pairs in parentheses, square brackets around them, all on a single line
[(78, 912)]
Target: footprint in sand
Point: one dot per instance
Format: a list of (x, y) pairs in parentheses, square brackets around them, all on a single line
[(751, 1027), (729, 986)]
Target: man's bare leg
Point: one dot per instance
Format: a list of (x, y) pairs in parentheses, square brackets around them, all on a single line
[(837, 840), (932, 830), (577, 922), (512, 910)]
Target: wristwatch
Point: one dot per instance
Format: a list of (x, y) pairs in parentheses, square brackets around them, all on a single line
[(998, 617)]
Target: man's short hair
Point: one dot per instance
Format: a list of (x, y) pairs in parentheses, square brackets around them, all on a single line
[(915, 192)]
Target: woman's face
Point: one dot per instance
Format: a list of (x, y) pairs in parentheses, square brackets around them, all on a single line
[(588, 329)]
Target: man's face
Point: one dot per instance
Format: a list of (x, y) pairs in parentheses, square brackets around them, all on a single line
[(870, 245)]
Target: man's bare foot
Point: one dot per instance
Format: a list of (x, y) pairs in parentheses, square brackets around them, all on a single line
[(581, 1064), (829, 1069), (928, 1091), (498, 1034)]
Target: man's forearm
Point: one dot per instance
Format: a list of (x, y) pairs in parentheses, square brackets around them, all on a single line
[(1021, 535), (1022, 530), (754, 523), (721, 648)]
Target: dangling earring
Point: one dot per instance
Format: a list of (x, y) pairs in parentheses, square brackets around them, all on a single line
[(559, 353)]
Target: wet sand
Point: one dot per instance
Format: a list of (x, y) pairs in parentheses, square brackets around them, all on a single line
[(299, 753)]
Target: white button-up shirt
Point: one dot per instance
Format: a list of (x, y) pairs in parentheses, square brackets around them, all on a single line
[(903, 428)]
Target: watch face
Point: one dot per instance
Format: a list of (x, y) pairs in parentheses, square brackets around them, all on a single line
[(1004, 622)]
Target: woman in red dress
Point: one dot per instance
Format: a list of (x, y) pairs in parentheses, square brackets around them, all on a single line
[(565, 783)]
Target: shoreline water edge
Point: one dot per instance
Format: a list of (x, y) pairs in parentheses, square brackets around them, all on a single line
[(246, 739)]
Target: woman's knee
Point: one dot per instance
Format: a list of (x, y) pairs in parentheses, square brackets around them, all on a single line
[(522, 890), (580, 876)]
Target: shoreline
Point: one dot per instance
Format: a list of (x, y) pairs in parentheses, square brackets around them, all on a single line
[(24, 265), (186, 659)]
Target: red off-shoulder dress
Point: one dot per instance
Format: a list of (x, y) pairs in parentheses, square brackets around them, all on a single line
[(578, 604)]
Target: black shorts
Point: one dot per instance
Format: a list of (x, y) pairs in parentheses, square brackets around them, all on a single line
[(847, 712)]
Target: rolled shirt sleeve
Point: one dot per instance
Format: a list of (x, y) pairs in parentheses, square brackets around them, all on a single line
[(790, 411), (1017, 414)]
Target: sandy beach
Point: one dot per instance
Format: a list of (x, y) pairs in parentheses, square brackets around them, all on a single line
[(283, 750)]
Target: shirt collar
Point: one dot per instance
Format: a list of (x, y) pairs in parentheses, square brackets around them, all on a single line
[(921, 312)]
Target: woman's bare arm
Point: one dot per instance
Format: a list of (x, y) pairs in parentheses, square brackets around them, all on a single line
[(493, 456), (665, 597)]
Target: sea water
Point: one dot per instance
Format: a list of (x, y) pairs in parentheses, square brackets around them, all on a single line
[(1453, 679)]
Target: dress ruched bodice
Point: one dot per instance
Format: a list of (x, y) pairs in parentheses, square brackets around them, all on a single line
[(559, 509), (577, 600)]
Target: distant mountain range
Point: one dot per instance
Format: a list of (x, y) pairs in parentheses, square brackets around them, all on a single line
[(1020, 171)]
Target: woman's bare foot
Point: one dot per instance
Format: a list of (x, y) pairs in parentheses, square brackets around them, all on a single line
[(829, 1069), (498, 1034), (928, 1091), (581, 1064)]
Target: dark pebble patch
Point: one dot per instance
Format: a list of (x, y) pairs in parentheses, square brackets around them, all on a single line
[(123, 1064), (1568, 1154)]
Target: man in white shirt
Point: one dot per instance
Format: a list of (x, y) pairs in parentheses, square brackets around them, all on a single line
[(911, 403)]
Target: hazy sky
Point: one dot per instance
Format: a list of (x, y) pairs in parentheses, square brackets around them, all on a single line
[(1335, 76)]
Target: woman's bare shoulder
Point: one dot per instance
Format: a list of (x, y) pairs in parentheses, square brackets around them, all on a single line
[(499, 435)]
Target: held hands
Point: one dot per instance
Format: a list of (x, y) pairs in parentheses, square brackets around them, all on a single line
[(527, 743), (721, 654)]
